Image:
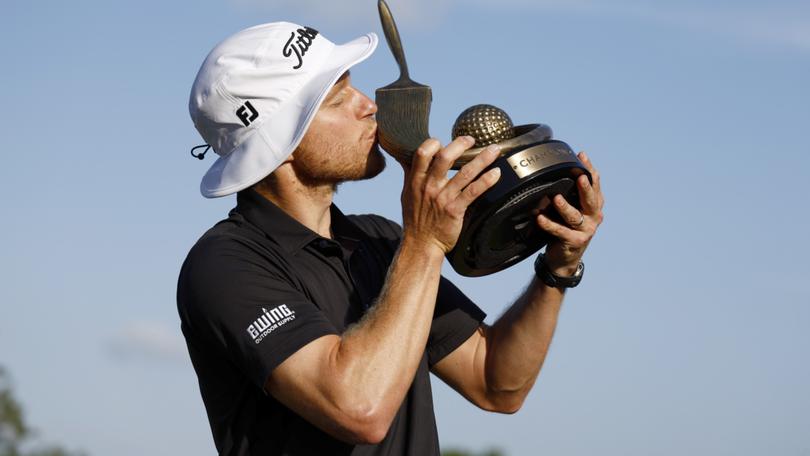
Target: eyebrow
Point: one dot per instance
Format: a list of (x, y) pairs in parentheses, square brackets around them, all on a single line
[(343, 80), (339, 85)]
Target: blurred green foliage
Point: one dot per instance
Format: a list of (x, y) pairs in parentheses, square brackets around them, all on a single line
[(16, 437)]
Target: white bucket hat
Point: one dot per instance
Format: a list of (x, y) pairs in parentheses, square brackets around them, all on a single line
[(256, 94)]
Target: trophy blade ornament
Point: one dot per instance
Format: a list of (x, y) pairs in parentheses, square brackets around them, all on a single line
[(403, 107)]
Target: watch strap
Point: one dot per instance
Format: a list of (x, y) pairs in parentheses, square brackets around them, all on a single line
[(553, 280)]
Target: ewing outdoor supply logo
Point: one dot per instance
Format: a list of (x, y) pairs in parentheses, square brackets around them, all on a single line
[(247, 113), (270, 321), (301, 45)]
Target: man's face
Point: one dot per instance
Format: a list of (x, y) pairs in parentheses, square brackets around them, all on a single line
[(341, 142)]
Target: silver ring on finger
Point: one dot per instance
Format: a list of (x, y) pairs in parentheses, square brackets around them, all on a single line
[(581, 221)]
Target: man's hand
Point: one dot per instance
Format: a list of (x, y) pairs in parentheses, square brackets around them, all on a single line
[(498, 365), (433, 206), (563, 254)]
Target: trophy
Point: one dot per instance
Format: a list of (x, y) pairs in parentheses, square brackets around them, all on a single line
[(500, 227)]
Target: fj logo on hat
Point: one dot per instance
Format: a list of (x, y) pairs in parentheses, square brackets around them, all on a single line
[(247, 117), (300, 46)]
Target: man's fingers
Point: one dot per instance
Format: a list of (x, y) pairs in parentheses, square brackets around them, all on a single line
[(424, 156), (597, 184), (472, 169), (445, 158), (588, 198), (475, 189), (572, 216), (569, 236)]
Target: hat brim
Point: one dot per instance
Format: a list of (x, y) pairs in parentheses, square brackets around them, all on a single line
[(261, 153)]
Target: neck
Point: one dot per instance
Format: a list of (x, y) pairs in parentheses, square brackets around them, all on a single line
[(308, 203)]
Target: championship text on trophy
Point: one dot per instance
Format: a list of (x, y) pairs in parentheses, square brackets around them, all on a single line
[(500, 227)]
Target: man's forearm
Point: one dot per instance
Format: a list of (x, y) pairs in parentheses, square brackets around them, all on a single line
[(518, 342), (377, 358), (352, 385)]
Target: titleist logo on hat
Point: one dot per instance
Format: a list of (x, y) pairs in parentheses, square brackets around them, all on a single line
[(300, 46)]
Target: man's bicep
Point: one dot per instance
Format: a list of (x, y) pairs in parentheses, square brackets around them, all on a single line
[(306, 384), (455, 319), (457, 343), (293, 362), (463, 369)]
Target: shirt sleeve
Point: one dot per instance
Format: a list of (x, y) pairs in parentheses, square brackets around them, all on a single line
[(243, 307), (455, 319)]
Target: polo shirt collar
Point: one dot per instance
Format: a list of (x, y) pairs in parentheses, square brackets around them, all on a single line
[(287, 231)]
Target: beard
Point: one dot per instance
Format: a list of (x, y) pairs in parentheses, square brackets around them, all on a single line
[(337, 164)]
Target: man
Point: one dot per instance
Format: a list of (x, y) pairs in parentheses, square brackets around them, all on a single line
[(312, 332)]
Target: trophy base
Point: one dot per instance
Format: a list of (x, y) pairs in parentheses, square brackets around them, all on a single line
[(500, 227)]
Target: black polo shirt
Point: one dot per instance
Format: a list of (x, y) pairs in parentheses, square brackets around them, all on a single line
[(258, 286)]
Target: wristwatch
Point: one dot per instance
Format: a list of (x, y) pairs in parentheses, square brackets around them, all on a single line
[(553, 280)]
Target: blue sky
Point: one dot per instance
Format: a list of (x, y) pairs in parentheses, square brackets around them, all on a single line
[(688, 334)]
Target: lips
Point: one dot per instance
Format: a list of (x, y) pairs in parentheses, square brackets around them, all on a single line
[(372, 134)]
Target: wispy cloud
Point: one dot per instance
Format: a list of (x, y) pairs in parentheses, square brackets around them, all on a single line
[(773, 25), (149, 341)]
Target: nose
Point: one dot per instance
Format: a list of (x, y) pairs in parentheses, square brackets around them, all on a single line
[(367, 106)]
